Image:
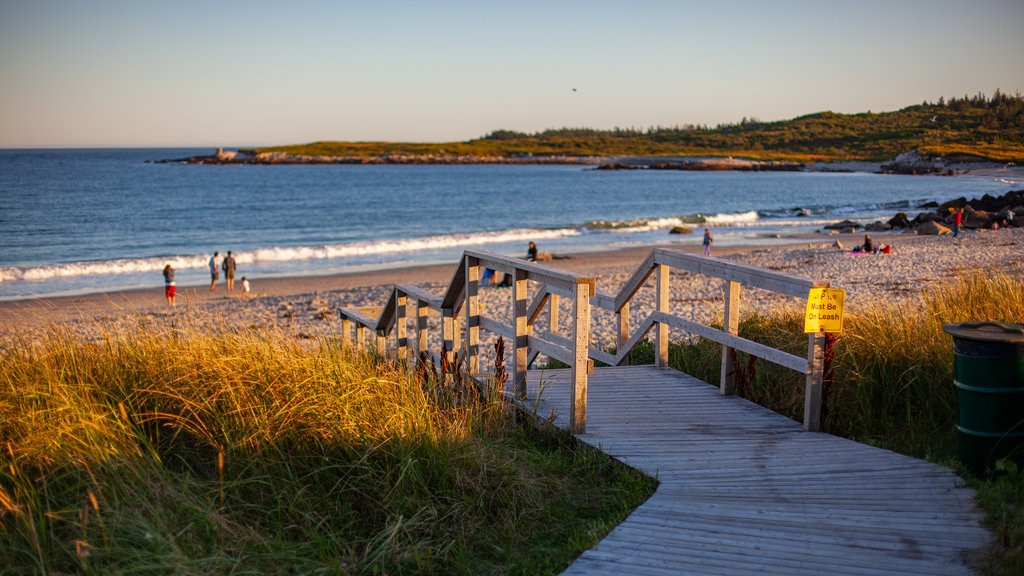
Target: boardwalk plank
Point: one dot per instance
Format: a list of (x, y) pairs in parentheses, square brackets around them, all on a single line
[(744, 490)]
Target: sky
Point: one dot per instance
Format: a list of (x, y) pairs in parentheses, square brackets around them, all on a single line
[(140, 73)]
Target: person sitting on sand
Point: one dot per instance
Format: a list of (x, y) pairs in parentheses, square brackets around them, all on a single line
[(531, 252), (245, 287), (868, 246)]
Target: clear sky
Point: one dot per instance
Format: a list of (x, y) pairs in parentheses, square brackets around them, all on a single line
[(253, 72)]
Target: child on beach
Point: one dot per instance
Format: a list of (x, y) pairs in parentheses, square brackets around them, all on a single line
[(707, 242), (170, 292), (245, 287)]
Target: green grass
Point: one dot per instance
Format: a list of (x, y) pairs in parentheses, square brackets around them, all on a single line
[(192, 450), (978, 127)]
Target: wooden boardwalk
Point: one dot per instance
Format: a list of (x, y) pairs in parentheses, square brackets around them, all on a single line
[(744, 490)]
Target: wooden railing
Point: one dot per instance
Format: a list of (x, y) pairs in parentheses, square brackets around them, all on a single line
[(659, 264), (461, 300), (462, 340)]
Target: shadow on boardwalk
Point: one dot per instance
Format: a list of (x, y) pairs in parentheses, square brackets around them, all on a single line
[(745, 490)]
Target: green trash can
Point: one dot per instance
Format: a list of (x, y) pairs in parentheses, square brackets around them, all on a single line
[(989, 382)]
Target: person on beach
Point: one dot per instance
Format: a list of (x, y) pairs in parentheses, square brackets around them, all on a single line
[(245, 287), (214, 272), (531, 252), (488, 278), (868, 246), (170, 292), (707, 242), (229, 271), (958, 219)]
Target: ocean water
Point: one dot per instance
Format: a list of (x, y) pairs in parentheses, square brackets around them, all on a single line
[(93, 220)]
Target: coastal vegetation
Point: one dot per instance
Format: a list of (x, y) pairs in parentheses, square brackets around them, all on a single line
[(206, 450), (970, 128)]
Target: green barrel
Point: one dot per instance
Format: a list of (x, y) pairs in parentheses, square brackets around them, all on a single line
[(989, 392)]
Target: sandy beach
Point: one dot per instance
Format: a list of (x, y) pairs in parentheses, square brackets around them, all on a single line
[(309, 305)]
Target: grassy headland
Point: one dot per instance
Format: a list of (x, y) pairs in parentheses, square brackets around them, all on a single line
[(971, 128)]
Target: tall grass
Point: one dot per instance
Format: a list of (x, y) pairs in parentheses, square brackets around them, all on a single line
[(192, 450)]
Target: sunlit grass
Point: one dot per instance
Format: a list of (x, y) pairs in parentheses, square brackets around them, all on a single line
[(197, 450)]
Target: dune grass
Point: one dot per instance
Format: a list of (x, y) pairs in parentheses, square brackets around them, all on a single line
[(186, 449), (892, 385)]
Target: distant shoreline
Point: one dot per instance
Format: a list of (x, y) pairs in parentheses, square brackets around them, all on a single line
[(222, 157), (910, 163)]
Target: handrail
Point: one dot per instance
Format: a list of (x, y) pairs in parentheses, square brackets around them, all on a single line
[(659, 264), (462, 297), (462, 319)]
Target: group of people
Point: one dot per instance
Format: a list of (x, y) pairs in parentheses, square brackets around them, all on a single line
[(228, 265), (871, 248)]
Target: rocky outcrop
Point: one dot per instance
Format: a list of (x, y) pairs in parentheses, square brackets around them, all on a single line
[(985, 212), (933, 229), (914, 163), (721, 164)]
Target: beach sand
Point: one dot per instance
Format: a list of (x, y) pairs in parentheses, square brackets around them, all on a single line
[(309, 305)]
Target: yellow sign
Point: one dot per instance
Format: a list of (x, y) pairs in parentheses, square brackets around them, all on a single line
[(824, 310)]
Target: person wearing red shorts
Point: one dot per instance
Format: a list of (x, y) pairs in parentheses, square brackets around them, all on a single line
[(170, 292)]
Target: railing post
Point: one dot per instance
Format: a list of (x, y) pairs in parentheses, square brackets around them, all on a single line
[(346, 329), (553, 313), (401, 339), (731, 324), (622, 318), (449, 333), (360, 336), (472, 315), (382, 342), (661, 330), (520, 346), (581, 357), (421, 327), (815, 377)]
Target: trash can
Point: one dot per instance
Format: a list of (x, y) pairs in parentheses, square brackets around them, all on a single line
[(989, 382)]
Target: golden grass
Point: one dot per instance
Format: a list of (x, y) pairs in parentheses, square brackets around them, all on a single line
[(193, 447)]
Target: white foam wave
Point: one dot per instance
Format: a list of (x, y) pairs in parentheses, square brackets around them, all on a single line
[(734, 219), (280, 254), (101, 268)]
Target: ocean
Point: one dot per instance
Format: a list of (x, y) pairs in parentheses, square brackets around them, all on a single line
[(93, 220)]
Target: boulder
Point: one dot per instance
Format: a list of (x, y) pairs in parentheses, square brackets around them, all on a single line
[(844, 225), (878, 227), (680, 230), (933, 229), (925, 217), (975, 219), (837, 245), (900, 220)]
